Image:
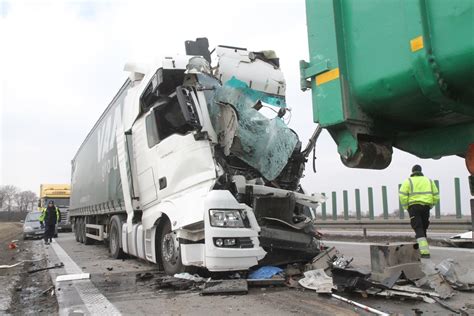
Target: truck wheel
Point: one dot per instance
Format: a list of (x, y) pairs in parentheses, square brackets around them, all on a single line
[(76, 229), (115, 250), (81, 230), (170, 252)]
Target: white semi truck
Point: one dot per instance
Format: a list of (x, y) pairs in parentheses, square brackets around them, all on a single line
[(183, 170)]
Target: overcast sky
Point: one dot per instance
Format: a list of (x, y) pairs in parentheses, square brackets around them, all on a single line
[(62, 62)]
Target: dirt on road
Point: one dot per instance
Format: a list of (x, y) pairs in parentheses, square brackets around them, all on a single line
[(22, 293)]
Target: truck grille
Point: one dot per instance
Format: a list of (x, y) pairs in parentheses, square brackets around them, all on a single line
[(64, 216), (245, 242)]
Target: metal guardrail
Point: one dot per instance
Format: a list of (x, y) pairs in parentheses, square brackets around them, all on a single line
[(439, 224)]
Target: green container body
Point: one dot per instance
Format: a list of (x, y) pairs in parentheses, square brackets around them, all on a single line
[(392, 73)]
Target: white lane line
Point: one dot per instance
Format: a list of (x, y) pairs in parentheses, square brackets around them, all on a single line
[(94, 301), (373, 243)]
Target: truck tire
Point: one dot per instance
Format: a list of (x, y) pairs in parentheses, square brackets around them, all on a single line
[(115, 248), (81, 230), (76, 229), (170, 252)]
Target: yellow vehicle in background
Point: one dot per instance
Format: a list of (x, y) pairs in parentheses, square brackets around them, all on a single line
[(60, 194)]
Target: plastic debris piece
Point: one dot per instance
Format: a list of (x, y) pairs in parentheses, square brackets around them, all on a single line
[(436, 282), (317, 280), (72, 277), (187, 276), (12, 245), (265, 272)]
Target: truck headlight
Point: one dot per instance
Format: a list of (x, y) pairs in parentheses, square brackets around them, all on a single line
[(226, 218), (28, 228)]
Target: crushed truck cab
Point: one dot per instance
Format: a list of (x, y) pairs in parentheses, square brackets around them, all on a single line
[(184, 170)]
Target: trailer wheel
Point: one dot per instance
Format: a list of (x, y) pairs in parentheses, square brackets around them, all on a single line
[(81, 230), (115, 250), (170, 251), (76, 229)]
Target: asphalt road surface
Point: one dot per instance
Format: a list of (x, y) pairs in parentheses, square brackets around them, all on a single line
[(113, 287)]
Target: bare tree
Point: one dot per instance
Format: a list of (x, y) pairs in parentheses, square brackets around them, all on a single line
[(31, 199), (24, 198), (8, 195)]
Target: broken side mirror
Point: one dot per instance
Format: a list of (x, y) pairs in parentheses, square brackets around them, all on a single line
[(188, 108)]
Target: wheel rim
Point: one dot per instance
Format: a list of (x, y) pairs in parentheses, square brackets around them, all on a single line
[(169, 249)]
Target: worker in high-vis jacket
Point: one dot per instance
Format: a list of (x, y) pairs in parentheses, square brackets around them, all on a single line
[(418, 194), (48, 219)]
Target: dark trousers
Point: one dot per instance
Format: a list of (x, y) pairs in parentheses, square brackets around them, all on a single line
[(419, 219), (49, 232)]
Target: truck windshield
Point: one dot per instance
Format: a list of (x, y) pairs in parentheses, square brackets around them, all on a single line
[(33, 217), (57, 202)]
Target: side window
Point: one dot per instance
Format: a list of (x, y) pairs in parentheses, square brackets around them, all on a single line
[(176, 115), (151, 130)]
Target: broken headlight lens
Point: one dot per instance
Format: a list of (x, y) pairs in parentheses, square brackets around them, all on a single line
[(226, 218)]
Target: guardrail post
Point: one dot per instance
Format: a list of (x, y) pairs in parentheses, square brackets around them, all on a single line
[(357, 200), (401, 211), (457, 194), (323, 209), (438, 205), (346, 204), (385, 202), (334, 206), (371, 203)]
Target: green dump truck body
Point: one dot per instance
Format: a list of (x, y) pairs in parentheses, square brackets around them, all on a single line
[(392, 73)]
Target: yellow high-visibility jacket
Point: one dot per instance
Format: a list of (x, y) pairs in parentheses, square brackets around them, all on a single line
[(418, 189), (43, 215)]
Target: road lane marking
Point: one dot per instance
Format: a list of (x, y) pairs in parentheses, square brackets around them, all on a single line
[(94, 301), (374, 243)]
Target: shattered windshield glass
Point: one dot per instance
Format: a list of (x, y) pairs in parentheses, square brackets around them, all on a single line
[(264, 144)]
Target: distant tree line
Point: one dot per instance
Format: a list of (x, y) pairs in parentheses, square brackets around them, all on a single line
[(13, 198)]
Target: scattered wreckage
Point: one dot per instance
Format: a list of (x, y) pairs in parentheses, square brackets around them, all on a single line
[(397, 271)]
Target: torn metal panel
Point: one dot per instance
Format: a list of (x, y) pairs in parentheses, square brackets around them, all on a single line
[(387, 260), (458, 277), (436, 282), (393, 293), (222, 287), (351, 279), (323, 261), (317, 280)]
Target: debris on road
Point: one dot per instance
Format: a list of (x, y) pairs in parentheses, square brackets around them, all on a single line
[(12, 245), (317, 280), (459, 278), (56, 266), (73, 277), (187, 276), (265, 272), (389, 260), (364, 307), (274, 281), (464, 240), (221, 287)]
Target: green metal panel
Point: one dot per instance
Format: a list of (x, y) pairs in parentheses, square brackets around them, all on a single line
[(405, 73), (346, 204), (371, 202), (357, 202), (334, 206), (323, 209), (457, 195), (385, 202), (438, 205), (401, 211)]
